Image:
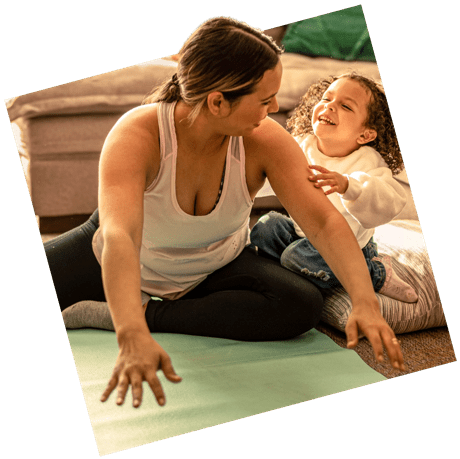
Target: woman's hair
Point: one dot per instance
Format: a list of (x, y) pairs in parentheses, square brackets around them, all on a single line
[(378, 117), (221, 55)]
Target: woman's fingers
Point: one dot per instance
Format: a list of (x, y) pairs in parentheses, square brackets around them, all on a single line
[(394, 351), (136, 388), (110, 387), (351, 331), (379, 337), (168, 370), (392, 346), (154, 383), (376, 343), (123, 384)]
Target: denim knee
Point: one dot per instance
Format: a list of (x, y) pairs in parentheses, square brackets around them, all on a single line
[(268, 224), (301, 257), (272, 234)]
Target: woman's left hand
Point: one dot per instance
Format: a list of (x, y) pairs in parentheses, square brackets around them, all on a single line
[(338, 183), (371, 323)]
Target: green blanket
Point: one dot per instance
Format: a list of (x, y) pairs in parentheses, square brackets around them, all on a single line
[(223, 380)]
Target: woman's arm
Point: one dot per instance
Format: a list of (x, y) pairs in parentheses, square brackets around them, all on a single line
[(286, 167), (129, 161)]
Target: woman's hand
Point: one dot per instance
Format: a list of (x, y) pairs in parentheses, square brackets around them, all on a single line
[(371, 323), (139, 359), (337, 182)]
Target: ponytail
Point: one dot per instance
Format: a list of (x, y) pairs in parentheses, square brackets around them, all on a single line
[(169, 92)]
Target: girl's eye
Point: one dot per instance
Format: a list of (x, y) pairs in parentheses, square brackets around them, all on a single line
[(346, 107), (266, 103)]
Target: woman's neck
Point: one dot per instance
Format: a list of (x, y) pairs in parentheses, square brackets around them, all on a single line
[(201, 136)]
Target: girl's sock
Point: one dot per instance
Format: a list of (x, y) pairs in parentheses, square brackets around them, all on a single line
[(88, 314), (394, 286)]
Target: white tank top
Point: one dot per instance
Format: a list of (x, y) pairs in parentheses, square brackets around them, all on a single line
[(180, 250)]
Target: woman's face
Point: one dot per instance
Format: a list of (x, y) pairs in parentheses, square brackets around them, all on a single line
[(250, 110)]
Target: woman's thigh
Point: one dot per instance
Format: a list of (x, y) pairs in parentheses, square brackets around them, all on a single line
[(75, 271), (253, 298)]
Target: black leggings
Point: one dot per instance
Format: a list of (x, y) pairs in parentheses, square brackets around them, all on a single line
[(253, 298)]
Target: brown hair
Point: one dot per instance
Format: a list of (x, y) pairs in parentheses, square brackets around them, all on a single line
[(378, 118), (221, 55)]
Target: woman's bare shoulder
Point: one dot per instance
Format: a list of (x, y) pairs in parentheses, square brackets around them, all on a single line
[(143, 118), (271, 142), (133, 142)]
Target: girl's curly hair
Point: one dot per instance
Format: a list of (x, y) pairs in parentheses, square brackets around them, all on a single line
[(378, 118)]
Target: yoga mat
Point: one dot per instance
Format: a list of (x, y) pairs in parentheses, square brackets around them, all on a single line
[(223, 380)]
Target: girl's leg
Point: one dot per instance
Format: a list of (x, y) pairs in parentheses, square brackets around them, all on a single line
[(74, 268), (301, 257), (272, 234), (253, 298), (384, 278)]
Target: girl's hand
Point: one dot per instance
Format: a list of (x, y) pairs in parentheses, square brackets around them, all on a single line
[(139, 359), (337, 182), (371, 323)]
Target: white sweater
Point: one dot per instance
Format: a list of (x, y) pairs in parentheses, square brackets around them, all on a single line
[(373, 197)]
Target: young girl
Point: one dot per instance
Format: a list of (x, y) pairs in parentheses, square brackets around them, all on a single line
[(344, 127)]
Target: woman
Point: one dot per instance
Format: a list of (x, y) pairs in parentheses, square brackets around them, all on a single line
[(177, 179)]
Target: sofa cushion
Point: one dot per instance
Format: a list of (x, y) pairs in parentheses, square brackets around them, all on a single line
[(300, 72), (112, 92), (403, 241)]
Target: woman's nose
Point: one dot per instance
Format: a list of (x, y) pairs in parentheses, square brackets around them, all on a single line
[(274, 107)]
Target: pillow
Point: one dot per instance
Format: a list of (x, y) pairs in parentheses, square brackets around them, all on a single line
[(403, 241), (112, 92), (341, 35)]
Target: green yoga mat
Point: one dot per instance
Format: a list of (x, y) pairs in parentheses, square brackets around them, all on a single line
[(223, 380)]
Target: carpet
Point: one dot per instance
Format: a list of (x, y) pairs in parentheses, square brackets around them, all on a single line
[(421, 349)]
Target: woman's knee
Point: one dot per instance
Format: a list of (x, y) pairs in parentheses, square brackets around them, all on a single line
[(299, 308)]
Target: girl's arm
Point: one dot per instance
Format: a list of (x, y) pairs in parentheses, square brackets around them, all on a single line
[(129, 161), (287, 169), (372, 196)]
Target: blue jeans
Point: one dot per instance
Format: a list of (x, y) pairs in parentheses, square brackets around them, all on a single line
[(274, 236)]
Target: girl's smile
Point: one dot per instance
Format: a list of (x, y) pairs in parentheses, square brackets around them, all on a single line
[(339, 118)]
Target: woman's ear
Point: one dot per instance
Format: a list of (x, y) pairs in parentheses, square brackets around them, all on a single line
[(367, 136), (217, 104)]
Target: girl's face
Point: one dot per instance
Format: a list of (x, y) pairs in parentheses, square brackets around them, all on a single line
[(338, 119), (250, 110)]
